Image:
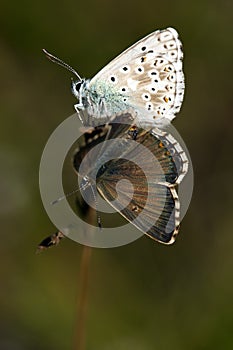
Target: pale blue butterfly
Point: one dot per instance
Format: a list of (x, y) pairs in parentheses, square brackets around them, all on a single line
[(147, 78)]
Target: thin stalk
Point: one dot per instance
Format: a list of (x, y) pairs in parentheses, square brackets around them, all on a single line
[(80, 337), (84, 281)]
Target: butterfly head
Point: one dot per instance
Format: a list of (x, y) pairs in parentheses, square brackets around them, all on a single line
[(79, 90)]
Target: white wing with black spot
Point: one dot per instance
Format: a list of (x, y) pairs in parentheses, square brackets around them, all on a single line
[(148, 77)]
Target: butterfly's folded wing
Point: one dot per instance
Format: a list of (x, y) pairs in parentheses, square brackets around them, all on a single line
[(96, 135), (165, 43), (155, 211), (153, 206), (147, 77), (151, 167)]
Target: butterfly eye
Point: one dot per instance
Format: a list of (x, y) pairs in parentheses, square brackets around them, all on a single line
[(78, 85)]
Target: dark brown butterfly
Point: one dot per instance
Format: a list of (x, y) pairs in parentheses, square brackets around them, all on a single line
[(151, 160), (153, 207)]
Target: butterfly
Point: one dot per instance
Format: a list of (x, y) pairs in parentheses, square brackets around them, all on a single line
[(147, 78), (152, 161)]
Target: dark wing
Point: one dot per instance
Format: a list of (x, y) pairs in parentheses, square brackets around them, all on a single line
[(96, 135), (153, 205), (152, 161)]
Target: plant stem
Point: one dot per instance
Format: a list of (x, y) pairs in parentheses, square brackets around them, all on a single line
[(80, 339), (84, 279)]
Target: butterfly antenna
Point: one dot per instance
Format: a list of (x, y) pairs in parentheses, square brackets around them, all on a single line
[(69, 194), (61, 63)]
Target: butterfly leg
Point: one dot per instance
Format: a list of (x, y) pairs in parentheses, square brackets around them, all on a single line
[(81, 114), (78, 107)]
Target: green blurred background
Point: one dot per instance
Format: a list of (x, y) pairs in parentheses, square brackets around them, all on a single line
[(143, 295)]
